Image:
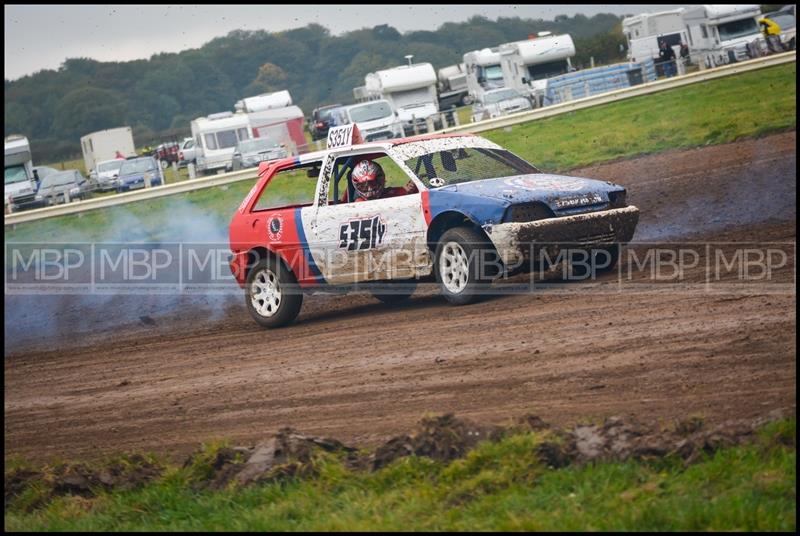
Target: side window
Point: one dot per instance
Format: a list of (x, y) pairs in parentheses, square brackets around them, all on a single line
[(290, 187), (704, 30), (211, 141), (226, 139), (242, 133), (396, 181)]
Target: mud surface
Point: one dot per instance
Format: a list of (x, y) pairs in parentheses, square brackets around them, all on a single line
[(362, 371)]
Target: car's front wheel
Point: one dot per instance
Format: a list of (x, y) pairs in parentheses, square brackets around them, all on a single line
[(464, 265), (272, 294)]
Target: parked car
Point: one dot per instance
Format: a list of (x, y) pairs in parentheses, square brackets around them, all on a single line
[(187, 154), (320, 121), (376, 120), (250, 153), (499, 102), (56, 188), (135, 172), (105, 176)]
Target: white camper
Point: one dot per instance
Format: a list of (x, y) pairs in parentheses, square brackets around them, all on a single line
[(528, 64), (645, 32), (410, 89), (216, 137), (106, 145), (484, 71), (272, 115), (720, 34), (19, 179)]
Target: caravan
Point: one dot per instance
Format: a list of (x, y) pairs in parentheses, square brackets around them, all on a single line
[(20, 184), (483, 71), (216, 137)]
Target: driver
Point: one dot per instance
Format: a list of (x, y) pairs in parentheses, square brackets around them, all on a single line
[(369, 182)]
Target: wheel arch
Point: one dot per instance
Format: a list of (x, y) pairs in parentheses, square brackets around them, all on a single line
[(448, 220)]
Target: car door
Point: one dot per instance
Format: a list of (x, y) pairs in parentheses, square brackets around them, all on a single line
[(379, 239)]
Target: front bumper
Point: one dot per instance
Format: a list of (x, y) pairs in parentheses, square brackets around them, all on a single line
[(517, 243)]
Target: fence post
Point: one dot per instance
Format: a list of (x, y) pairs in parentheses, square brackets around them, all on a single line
[(414, 124), (174, 170), (190, 169), (455, 117), (429, 124)]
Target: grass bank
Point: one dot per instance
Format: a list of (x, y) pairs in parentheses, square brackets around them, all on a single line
[(719, 111), (500, 485)]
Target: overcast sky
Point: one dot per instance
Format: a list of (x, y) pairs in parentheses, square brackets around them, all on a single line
[(42, 37)]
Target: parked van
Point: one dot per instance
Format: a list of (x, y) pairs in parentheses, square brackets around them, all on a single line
[(376, 120)]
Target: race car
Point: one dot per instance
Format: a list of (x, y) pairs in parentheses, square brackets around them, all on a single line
[(463, 211)]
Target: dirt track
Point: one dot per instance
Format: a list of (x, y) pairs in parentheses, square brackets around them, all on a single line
[(360, 371)]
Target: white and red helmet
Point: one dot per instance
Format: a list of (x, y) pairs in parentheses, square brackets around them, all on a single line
[(368, 179)]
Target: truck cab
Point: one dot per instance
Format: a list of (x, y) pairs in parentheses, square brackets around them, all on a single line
[(484, 71), (721, 34)]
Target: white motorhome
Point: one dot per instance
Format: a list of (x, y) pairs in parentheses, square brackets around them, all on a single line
[(484, 71), (453, 90), (528, 64), (216, 137), (645, 32), (411, 91), (19, 179), (720, 34), (106, 145)]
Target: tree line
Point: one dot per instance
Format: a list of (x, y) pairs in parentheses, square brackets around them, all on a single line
[(159, 96)]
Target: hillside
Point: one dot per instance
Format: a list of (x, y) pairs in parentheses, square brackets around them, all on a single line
[(160, 96)]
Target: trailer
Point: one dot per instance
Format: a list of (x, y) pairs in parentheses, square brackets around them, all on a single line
[(107, 145), (411, 91), (528, 64), (644, 33)]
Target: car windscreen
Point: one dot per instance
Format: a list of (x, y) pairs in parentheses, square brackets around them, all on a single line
[(493, 73), (737, 28), (59, 179), (497, 96), (257, 144), (325, 113), (15, 174), (469, 164), (137, 166), (370, 111), (112, 165)]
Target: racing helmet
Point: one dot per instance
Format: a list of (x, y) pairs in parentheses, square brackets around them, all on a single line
[(368, 179)]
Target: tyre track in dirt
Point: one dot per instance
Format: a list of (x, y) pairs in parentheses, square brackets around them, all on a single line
[(361, 371)]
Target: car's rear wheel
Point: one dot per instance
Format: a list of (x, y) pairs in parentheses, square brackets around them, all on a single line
[(272, 294), (463, 265)]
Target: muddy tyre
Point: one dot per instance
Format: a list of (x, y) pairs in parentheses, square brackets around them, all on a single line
[(272, 294), (460, 265)]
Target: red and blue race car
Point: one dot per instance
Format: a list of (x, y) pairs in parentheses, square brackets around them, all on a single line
[(463, 210)]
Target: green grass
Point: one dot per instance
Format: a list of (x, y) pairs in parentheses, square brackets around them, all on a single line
[(497, 486), (719, 111)]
